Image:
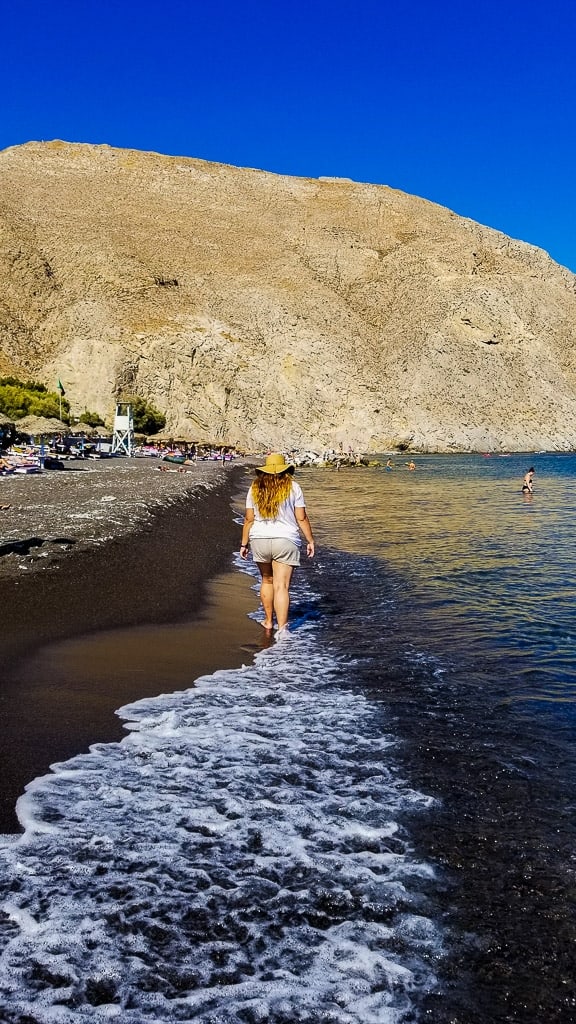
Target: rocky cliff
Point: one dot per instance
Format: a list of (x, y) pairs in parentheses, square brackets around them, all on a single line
[(277, 311)]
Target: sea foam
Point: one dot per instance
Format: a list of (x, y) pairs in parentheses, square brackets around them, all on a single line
[(238, 857)]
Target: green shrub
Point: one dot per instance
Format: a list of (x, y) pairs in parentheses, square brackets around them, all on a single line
[(147, 419), (93, 419), (28, 398)]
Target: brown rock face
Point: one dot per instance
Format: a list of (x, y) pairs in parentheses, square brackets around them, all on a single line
[(278, 311)]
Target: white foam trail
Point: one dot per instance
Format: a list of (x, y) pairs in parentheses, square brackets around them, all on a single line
[(237, 858)]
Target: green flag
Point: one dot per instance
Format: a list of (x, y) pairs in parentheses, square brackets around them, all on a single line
[(60, 388)]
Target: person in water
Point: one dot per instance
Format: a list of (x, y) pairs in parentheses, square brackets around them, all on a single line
[(528, 485), (275, 517)]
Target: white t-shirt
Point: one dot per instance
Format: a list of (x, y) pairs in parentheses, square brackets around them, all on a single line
[(285, 524)]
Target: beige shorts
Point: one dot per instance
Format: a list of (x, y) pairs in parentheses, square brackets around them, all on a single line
[(275, 549)]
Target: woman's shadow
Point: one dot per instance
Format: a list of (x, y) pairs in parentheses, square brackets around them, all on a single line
[(24, 547)]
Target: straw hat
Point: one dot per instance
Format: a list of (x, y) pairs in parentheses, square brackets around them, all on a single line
[(275, 464)]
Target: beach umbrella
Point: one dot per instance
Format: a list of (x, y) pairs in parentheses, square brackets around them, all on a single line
[(183, 434), (216, 444), (40, 425), (174, 435), (82, 428), (160, 437), (163, 437), (7, 431)]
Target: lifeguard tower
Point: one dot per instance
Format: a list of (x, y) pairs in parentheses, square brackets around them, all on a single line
[(123, 437)]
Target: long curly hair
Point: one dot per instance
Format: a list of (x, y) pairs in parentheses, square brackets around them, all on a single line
[(269, 491)]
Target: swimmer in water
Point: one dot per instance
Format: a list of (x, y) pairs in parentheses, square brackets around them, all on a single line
[(528, 485)]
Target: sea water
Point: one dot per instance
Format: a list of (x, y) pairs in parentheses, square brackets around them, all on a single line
[(371, 821)]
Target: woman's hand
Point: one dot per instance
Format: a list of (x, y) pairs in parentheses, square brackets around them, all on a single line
[(310, 549), (248, 520)]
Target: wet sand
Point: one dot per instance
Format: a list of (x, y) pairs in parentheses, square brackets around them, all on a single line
[(125, 611), (88, 504)]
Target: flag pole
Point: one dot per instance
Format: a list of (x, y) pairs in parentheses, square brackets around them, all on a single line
[(61, 392)]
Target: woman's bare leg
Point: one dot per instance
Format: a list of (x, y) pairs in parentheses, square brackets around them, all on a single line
[(267, 593), (282, 574)]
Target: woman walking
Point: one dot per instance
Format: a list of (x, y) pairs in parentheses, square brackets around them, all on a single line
[(275, 517)]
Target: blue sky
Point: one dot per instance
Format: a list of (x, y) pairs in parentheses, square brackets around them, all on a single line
[(471, 105)]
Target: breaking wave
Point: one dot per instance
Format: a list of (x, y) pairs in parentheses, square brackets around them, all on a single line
[(239, 857)]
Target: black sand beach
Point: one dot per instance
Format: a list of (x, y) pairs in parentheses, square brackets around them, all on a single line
[(105, 598)]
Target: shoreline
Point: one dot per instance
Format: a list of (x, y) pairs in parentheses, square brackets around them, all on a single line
[(154, 570), (93, 570)]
